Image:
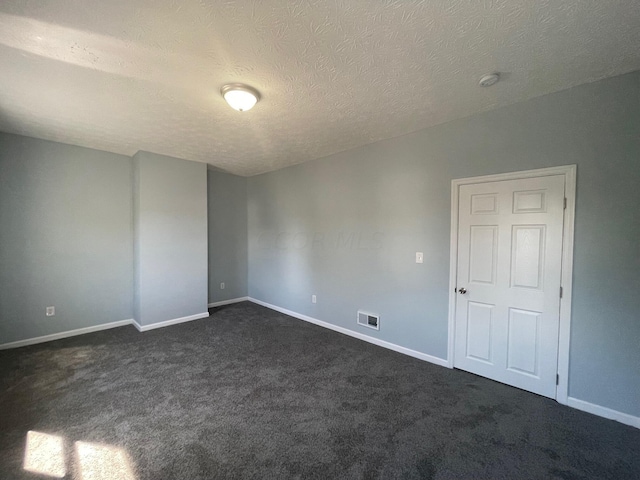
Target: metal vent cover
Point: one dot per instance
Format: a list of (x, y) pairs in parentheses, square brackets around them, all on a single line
[(369, 320)]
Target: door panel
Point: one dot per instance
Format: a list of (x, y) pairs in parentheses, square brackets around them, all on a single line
[(479, 331), (484, 204), (527, 259), (529, 201), (483, 253), (509, 263), (524, 341)]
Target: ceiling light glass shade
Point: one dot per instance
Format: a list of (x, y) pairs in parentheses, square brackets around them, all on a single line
[(240, 97), (489, 79)]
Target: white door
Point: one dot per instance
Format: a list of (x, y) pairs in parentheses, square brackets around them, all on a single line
[(508, 281)]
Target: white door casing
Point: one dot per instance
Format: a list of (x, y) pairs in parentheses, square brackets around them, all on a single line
[(511, 253)]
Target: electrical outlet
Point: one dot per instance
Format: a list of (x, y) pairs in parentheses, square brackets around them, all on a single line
[(222, 286), (50, 311), (419, 257), (313, 299)]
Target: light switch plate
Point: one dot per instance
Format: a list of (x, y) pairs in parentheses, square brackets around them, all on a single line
[(419, 257)]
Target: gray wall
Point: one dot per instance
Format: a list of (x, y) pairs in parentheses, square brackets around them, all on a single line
[(227, 199), (65, 237), (170, 236), (347, 227)]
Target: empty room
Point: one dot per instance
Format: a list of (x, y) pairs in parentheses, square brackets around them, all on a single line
[(319, 239)]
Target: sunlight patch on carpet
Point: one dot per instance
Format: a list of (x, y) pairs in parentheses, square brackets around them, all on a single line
[(44, 454), (103, 462)]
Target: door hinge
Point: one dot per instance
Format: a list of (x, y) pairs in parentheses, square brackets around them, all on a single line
[(560, 292), (565, 203), (557, 379)]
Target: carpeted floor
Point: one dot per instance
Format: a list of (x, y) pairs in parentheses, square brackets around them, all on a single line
[(251, 393)]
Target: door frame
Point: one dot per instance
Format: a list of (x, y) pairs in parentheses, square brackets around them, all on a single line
[(564, 338)]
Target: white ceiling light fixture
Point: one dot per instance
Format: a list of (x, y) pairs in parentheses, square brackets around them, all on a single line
[(239, 96), (490, 79)]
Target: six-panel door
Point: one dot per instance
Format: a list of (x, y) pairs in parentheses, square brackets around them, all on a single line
[(509, 266)]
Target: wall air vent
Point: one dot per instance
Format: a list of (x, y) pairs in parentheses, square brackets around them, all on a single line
[(369, 320)]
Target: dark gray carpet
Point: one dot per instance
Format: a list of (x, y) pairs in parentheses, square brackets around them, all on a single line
[(250, 393)]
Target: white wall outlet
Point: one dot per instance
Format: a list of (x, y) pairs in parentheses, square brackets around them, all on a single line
[(419, 257), (222, 286), (313, 299), (50, 311)]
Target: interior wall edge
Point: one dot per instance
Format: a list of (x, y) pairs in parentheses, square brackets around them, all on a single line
[(69, 333), (576, 403), (604, 412), (168, 323), (228, 302), (352, 333)]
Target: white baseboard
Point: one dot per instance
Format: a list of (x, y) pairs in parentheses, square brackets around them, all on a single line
[(604, 412), (104, 326), (228, 302), (351, 333), (167, 323), (69, 333)]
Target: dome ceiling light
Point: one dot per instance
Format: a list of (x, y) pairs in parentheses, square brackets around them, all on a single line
[(490, 79), (240, 97)]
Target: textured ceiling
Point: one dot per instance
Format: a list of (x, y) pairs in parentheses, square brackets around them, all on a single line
[(129, 75)]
